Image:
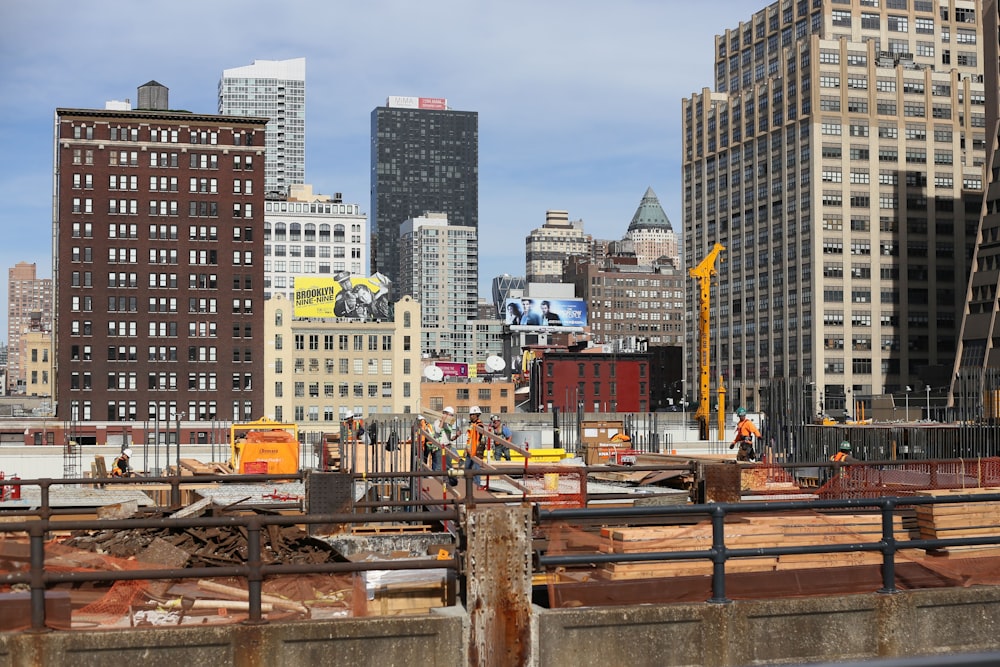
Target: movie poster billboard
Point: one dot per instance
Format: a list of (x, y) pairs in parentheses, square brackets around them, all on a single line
[(343, 295), (535, 313)]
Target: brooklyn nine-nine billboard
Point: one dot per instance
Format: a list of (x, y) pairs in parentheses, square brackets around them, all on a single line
[(541, 313), (343, 295)]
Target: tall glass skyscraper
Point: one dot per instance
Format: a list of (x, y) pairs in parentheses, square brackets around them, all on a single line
[(425, 159), (276, 90)]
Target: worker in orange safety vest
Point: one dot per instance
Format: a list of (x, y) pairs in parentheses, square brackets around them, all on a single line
[(472, 440), (843, 455), (746, 430)]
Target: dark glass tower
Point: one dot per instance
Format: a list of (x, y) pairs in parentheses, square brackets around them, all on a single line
[(425, 158)]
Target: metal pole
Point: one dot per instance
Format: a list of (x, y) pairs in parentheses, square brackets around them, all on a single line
[(928, 415), (180, 415), (156, 440)]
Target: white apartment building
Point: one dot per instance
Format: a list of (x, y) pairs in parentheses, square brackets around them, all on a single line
[(440, 269), (311, 235), (839, 159), (276, 90)]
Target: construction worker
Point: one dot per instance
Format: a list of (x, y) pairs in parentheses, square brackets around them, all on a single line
[(121, 467), (498, 428), (353, 427), (472, 440), (444, 433), (843, 454), (421, 431), (745, 432)]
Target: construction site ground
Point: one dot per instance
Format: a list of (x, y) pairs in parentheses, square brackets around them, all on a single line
[(143, 603)]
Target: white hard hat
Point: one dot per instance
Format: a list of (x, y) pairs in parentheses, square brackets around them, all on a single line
[(450, 410), (474, 410), (127, 452), (348, 415)]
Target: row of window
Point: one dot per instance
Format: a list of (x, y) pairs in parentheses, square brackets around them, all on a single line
[(203, 209), (195, 329), (343, 390), (333, 415), (160, 135), (159, 353), (343, 366)]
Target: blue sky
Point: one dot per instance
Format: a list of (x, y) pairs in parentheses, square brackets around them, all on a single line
[(579, 100)]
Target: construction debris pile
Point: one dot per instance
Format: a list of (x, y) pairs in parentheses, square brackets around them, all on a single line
[(219, 600), (206, 547)]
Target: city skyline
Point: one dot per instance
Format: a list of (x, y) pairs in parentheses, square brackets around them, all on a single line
[(579, 111)]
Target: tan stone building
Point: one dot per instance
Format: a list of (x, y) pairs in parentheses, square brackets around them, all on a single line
[(319, 368), (491, 397), (547, 247), (839, 158)]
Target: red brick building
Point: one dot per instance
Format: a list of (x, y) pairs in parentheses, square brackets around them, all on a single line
[(157, 262), (601, 382)]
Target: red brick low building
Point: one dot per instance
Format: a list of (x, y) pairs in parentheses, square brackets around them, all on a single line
[(597, 381)]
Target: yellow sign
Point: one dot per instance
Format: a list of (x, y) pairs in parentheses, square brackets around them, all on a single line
[(343, 295)]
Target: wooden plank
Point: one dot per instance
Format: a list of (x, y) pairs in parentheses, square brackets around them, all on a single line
[(948, 533), (937, 493)]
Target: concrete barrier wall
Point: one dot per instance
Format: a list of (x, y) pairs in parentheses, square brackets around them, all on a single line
[(438, 640), (760, 632)]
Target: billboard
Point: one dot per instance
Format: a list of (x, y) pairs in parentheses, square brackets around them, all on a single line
[(453, 369), (408, 102), (343, 295), (535, 313)]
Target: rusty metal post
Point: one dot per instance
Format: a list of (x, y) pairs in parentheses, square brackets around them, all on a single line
[(45, 505), (175, 489), (498, 575), (36, 534)]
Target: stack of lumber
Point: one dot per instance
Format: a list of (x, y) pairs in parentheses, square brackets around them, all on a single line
[(196, 467), (749, 532), (954, 520)]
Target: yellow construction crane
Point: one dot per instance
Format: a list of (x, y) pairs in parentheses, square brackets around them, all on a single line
[(703, 273)]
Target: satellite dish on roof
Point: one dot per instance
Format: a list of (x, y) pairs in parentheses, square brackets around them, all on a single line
[(495, 364), (433, 373)]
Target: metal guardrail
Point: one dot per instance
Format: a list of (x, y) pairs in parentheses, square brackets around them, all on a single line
[(448, 510), (253, 570), (719, 553)]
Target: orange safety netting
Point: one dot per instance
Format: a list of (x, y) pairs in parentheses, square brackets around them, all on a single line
[(860, 480), (115, 604)]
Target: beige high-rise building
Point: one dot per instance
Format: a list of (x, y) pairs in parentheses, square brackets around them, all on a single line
[(29, 307), (976, 379), (840, 160), (547, 247)]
